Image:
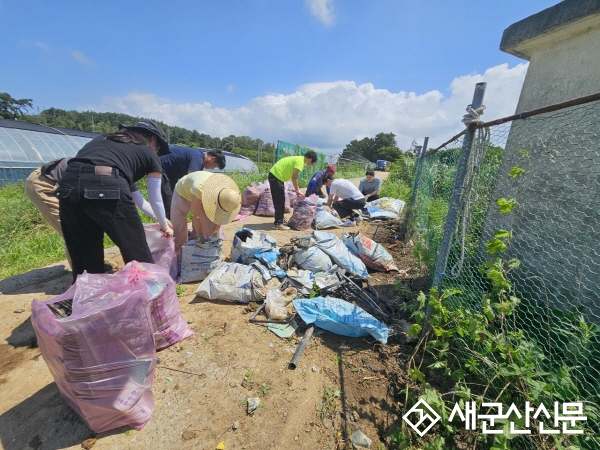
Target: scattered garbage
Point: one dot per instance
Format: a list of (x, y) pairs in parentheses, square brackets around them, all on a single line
[(199, 258), (384, 208), (359, 291), (340, 254), (278, 305), (253, 404), (340, 317), (250, 246), (305, 340), (370, 252), (360, 440), (236, 283), (283, 330), (390, 204), (302, 280)]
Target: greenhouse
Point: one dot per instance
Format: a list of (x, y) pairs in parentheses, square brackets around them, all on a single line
[(26, 146)]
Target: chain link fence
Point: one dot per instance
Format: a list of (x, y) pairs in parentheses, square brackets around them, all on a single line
[(536, 181)]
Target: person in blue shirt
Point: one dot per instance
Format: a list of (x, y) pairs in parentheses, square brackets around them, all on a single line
[(315, 185), (184, 160)]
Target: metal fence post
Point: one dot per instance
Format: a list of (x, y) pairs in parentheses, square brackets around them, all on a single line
[(457, 191), (420, 156)]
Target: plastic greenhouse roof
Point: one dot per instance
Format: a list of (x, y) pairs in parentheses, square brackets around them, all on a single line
[(28, 145)]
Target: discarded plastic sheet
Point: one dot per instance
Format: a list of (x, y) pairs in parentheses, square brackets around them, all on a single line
[(340, 254), (302, 280), (370, 252), (236, 283), (199, 259), (390, 204), (250, 246), (375, 213), (283, 330), (340, 317), (102, 355), (162, 248)]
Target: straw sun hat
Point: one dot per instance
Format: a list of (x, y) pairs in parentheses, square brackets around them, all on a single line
[(221, 199)]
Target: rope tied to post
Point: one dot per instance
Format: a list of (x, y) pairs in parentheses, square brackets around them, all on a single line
[(473, 115)]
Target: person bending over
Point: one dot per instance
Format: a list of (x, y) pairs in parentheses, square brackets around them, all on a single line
[(344, 197), (286, 169), (315, 185), (184, 160), (95, 195), (214, 200)]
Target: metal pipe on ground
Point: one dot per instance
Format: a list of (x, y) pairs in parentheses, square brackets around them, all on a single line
[(307, 335)]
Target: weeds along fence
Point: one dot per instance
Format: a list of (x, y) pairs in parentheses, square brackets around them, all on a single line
[(522, 193)]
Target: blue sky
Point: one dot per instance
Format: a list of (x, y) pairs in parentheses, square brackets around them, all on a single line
[(314, 72)]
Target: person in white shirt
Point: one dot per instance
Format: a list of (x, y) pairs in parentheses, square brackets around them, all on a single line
[(344, 197)]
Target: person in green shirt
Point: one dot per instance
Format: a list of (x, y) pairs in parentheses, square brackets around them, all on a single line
[(284, 170)]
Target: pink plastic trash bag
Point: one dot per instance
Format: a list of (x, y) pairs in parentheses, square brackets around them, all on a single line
[(97, 340), (250, 199), (304, 213), (162, 248)]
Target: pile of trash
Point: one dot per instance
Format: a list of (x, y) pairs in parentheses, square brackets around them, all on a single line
[(286, 280), (100, 338), (312, 211)]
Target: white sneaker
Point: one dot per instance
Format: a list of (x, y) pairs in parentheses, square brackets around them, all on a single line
[(349, 223), (358, 219)]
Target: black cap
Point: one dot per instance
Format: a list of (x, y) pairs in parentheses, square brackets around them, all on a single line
[(153, 128)]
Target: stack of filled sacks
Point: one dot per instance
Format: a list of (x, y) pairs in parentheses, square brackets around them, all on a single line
[(257, 199), (99, 340)]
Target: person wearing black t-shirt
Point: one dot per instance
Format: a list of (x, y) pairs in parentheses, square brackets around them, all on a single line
[(95, 195), (184, 160)]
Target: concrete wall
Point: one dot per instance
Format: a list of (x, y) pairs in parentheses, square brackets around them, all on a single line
[(557, 226)]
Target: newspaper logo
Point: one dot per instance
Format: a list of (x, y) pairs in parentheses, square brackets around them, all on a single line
[(425, 414)]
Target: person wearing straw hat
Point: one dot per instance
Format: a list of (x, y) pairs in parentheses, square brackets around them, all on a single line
[(96, 195), (214, 200)]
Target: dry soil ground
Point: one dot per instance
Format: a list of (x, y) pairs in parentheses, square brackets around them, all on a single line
[(201, 384)]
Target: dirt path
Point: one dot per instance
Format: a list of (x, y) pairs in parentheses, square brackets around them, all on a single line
[(201, 384)]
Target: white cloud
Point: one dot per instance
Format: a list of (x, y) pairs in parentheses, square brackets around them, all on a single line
[(322, 10), (41, 45), (230, 87), (326, 116), (81, 58)]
